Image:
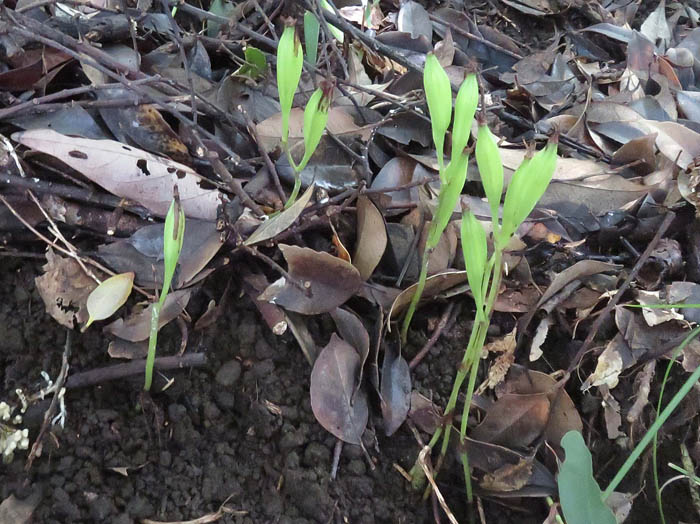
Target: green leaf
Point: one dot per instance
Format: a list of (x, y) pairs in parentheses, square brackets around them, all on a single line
[(315, 119), (173, 236), (465, 108), (311, 30), (528, 184), (456, 174), (438, 94), (109, 296), (488, 159), (290, 59), (579, 493), (255, 63), (475, 254), (337, 33)]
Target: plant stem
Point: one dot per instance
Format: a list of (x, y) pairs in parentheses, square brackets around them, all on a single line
[(297, 175), (651, 432), (416, 296), (152, 342)]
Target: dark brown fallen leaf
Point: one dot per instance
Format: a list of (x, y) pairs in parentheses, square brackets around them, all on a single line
[(433, 285), (395, 389), (371, 237), (514, 421), (137, 326), (424, 413), (64, 288), (326, 282), (336, 403), (352, 330)]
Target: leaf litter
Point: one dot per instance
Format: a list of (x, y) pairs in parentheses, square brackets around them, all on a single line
[(618, 82)]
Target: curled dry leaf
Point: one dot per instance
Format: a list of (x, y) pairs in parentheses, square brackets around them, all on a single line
[(424, 413), (142, 252), (278, 223), (563, 416), (137, 326), (395, 389), (371, 237), (108, 297), (502, 462), (352, 331), (514, 421), (322, 282), (64, 288), (337, 404), (433, 285), (129, 172)]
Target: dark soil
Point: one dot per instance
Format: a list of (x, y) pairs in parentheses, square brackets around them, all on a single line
[(240, 430)]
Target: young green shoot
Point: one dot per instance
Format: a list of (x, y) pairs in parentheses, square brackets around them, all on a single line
[(290, 58), (484, 271), (173, 236), (438, 93)]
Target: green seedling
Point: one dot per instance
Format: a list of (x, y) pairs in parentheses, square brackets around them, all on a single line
[(311, 31), (579, 494), (290, 58), (484, 272), (173, 236), (452, 177), (255, 64)]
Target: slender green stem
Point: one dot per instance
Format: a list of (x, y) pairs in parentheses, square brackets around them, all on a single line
[(152, 343), (416, 296), (663, 416), (297, 175)]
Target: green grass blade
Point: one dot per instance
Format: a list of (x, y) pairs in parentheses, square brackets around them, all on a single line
[(311, 31)]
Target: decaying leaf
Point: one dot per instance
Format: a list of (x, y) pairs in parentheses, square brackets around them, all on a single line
[(510, 477), (278, 223), (490, 458), (352, 330), (108, 297), (433, 285), (64, 288), (136, 326), (514, 421), (371, 237), (129, 172), (424, 413), (336, 403), (322, 282), (563, 415), (19, 511), (395, 389), (142, 253)]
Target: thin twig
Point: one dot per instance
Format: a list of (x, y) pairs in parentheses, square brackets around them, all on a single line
[(444, 320)]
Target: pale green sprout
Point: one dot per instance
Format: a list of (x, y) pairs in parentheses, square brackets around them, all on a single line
[(488, 160), (173, 237), (484, 271), (438, 94), (290, 58), (465, 109), (311, 30), (452, 178)]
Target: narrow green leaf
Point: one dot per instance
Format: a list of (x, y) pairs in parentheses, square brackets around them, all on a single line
[(528, 184), (488, 159), (289, 63), (465, 108), (438, 94), (311, 30), (315, 119), (108, 297), (337, 33), (475, 253), (456, 174), (173, 236), (579, 493)]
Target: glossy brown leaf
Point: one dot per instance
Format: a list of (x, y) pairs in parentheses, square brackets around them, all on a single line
[(352, 330), (371, 237), (322, 282), (395, 389), (335, 403), (514, 421)]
